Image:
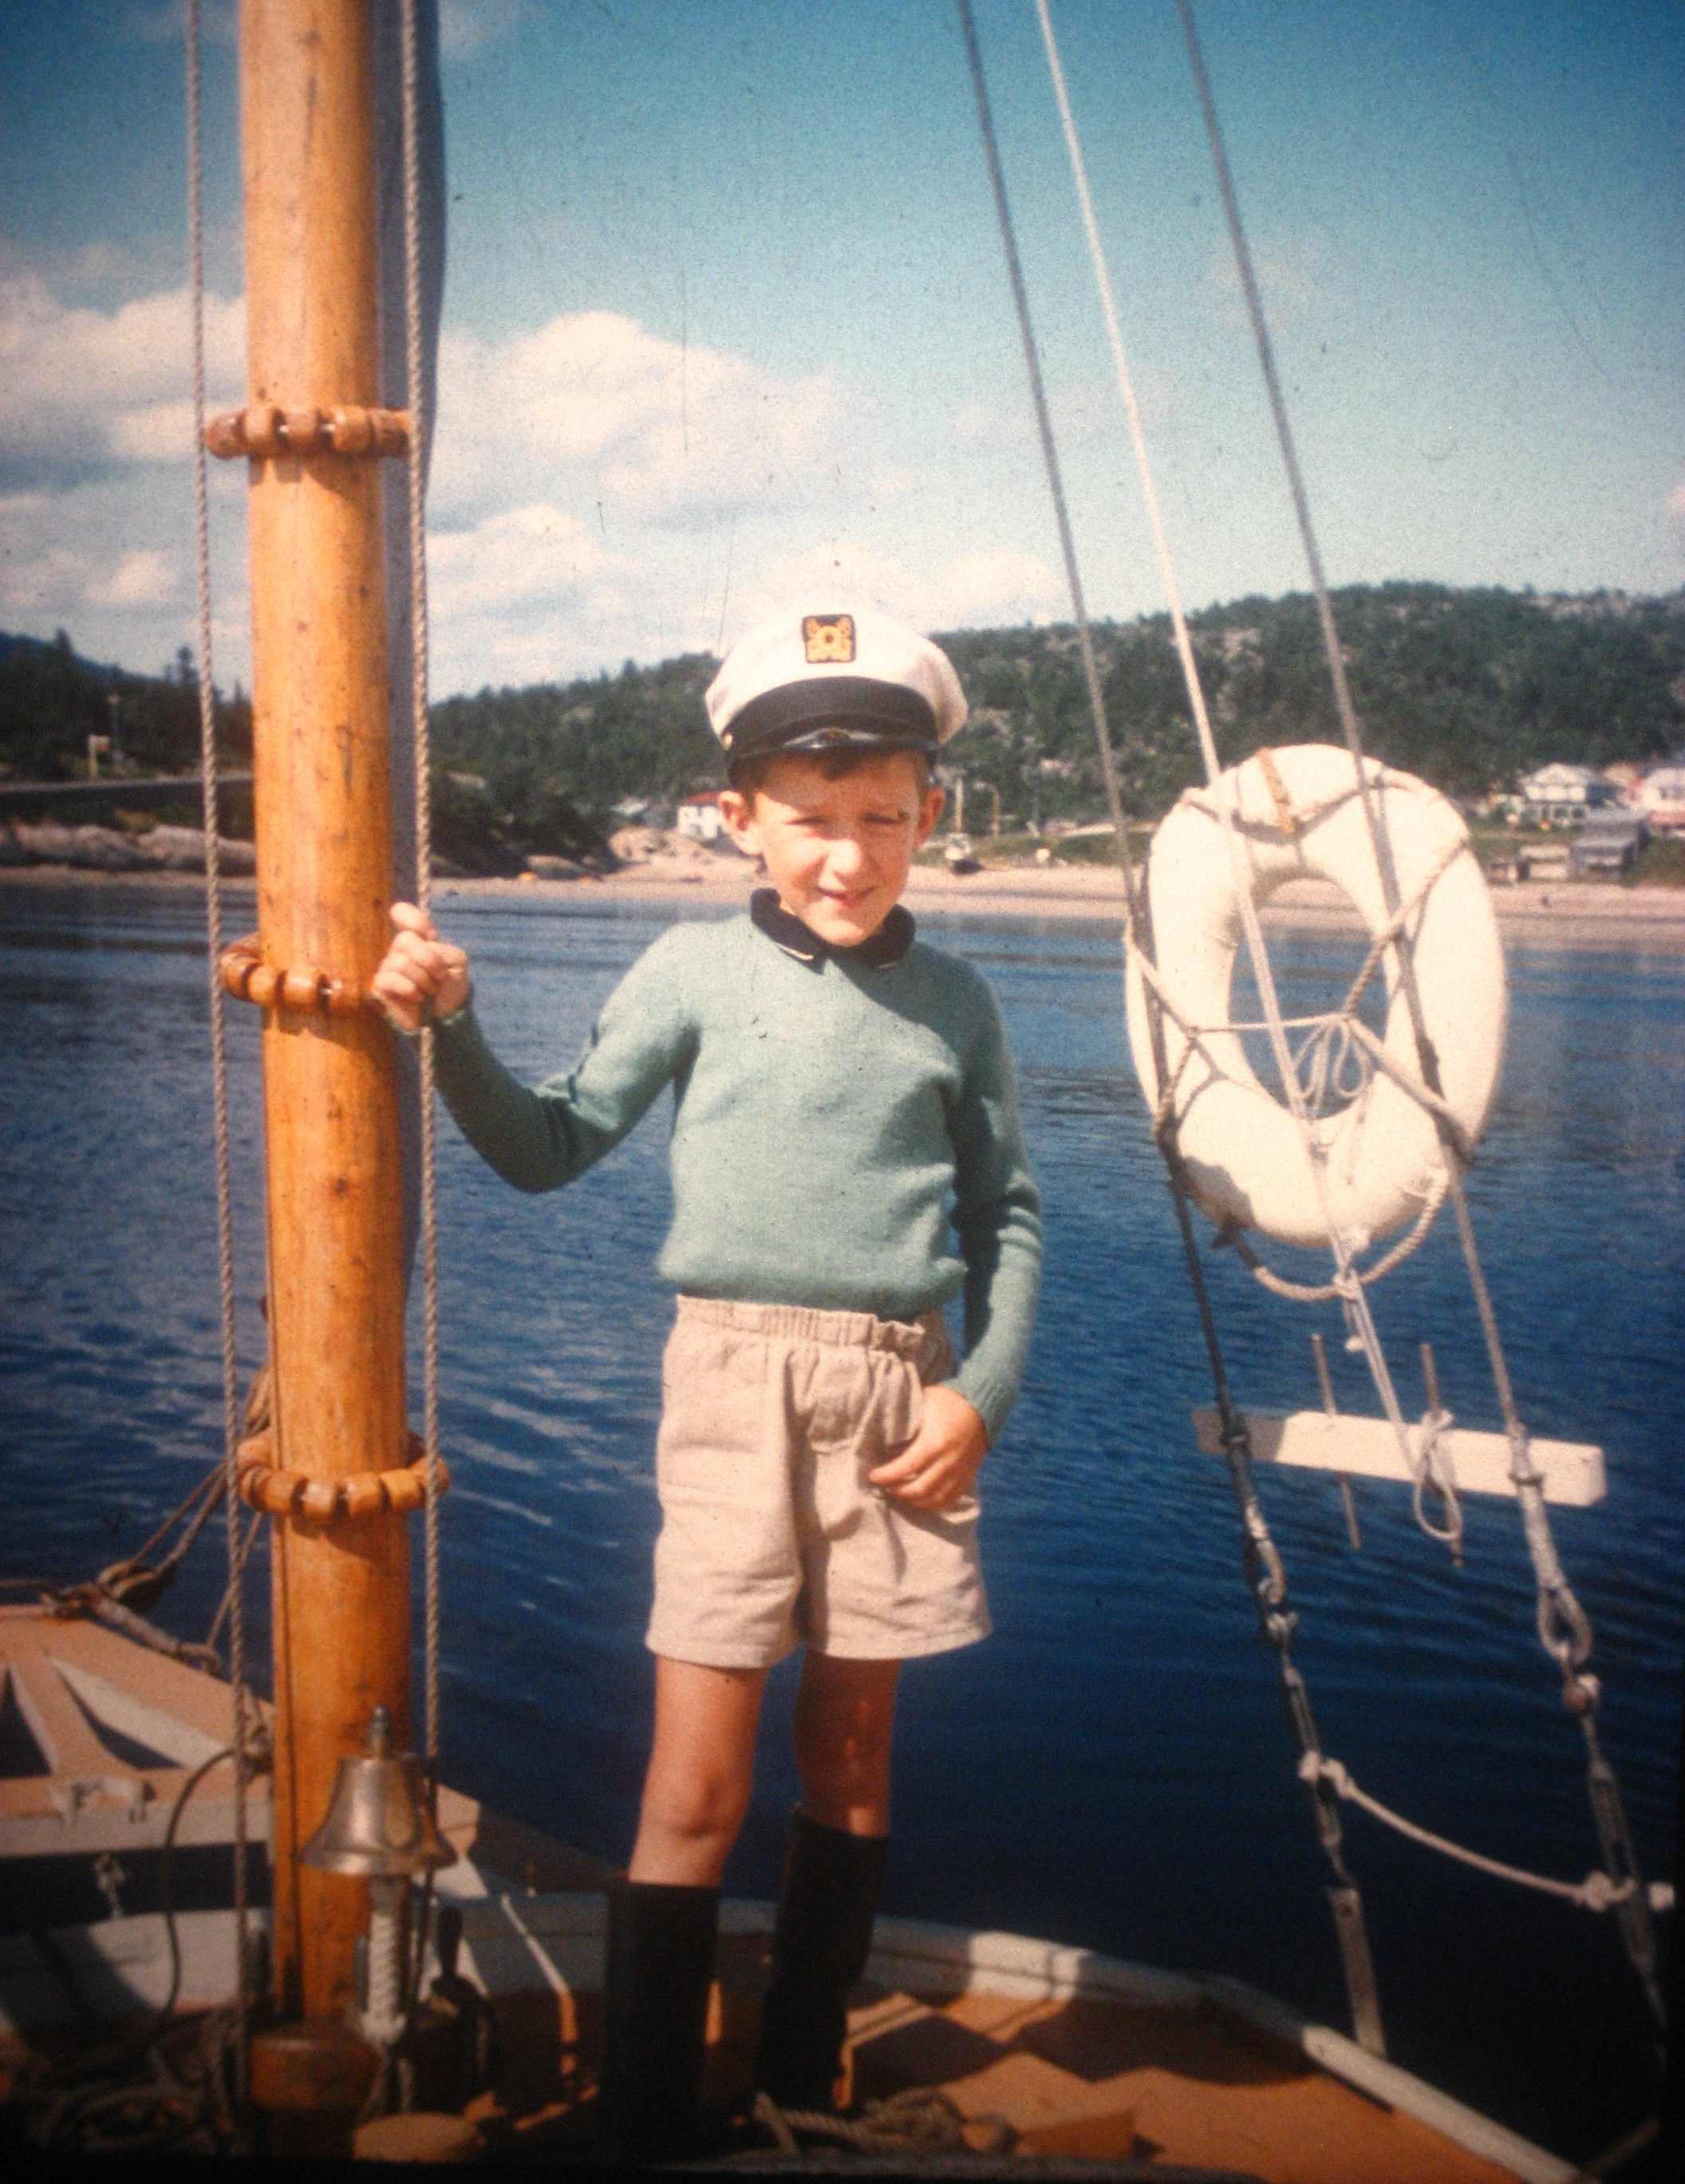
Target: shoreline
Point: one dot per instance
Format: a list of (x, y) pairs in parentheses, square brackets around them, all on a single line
[(1574, 913)]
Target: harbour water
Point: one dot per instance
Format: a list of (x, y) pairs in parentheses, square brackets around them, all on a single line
[(1113, 1767)]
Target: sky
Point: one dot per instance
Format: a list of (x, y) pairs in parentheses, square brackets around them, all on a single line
[(728, 328)]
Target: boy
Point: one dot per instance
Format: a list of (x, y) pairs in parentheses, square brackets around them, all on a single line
[(843, 1092)]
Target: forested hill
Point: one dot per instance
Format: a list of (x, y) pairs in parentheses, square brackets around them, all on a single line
[(51, 700), (1470, 688)]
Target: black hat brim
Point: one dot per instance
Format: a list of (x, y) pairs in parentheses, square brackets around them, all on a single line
[(833, 712)]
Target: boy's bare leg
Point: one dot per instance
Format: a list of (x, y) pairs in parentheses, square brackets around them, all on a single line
[(701, 1770), (845, 1720)]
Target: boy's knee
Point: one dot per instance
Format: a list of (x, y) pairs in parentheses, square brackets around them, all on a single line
[(699, 1807), (841, 1764)]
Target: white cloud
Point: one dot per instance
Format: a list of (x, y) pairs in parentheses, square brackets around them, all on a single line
[(156, 432), (112, 562), (599, 412), (532, 555), (40, 579), (600, 493), (978, 591), (525, 596), (147, 578), (1676, 502), (81, 389), (969, 590)]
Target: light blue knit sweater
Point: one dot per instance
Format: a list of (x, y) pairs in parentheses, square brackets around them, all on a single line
[(844, 1137)]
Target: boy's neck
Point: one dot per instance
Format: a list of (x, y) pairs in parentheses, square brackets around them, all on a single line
[(886, 945)]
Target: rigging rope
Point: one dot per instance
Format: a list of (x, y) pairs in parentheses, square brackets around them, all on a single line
[(415, 480), (1563, 1628), (1266, 1573), (1349, 1291), (415, 472), (225, 1222)]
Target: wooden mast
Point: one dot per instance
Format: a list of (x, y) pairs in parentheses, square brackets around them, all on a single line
[(321, 762)]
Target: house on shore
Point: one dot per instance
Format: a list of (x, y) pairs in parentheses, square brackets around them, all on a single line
[(1660, 797), (698, 818), (1562, 795)]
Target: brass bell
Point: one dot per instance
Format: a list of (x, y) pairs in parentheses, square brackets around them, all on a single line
[(379, 1823)]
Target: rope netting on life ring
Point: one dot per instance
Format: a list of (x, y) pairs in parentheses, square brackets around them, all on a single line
[(1336, 1043)]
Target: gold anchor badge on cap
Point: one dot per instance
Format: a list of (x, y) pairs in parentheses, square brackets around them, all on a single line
[(828, 639)]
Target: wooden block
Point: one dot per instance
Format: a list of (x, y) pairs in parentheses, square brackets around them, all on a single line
[(1368, 1448)]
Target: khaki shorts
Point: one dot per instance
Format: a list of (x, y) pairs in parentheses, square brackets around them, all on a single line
[(771, 1417)]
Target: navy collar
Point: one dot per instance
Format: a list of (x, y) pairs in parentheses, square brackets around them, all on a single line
[(888, 946)]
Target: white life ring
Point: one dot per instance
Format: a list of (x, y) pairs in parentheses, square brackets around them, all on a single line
[(1245, 1152)]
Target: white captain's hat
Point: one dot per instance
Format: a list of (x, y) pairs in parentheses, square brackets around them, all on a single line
[(856, 680)]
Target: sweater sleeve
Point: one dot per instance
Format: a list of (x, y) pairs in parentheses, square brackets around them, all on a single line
[(537, 1137), (998, 1218)]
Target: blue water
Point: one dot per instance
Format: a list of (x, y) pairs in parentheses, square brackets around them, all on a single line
[(1113, 1767)]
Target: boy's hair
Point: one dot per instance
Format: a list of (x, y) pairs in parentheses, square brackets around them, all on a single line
[(748, 775)]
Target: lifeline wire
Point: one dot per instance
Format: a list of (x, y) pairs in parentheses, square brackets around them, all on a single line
[(225, 1222)]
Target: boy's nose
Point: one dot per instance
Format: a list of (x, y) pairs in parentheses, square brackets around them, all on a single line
[(848, 855)]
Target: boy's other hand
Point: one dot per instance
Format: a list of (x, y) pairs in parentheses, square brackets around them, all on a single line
[(421, 977), (938, 1466)]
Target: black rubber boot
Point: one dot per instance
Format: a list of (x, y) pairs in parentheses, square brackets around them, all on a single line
[(819, 1946), (660, 1963)]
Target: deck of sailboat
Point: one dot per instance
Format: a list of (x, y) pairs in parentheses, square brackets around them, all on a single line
[(1082, 2055)]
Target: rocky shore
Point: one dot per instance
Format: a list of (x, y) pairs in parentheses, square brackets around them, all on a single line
[(113, 850)]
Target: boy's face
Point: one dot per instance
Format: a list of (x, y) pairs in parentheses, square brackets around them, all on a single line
[(836, 851)]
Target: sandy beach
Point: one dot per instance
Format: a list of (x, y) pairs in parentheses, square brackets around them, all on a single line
[(1552, 914), (1577, 914)]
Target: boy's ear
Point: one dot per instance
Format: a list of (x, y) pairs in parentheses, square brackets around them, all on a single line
[(930, 811), (738, 811)]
